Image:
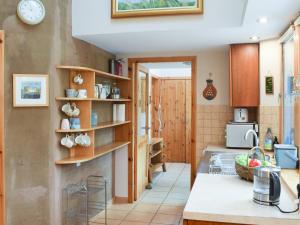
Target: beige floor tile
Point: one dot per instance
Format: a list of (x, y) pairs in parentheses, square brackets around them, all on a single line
[(144, 207), (109, 222), (171, 210), (139, 217), (115, 214), (175, 201), (133, 223), (157, 188), (125, 207), (183, 196), (152, 200), (166, 219), (154, 194)]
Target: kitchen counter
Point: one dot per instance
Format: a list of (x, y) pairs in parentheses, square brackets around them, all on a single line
[(289, 177), (228, 199)]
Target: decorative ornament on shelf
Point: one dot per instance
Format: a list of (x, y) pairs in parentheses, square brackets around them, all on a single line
[(210, 92), (31, 12)]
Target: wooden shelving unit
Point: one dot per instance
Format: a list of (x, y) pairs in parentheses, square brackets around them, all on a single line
[(156, 157), (92, 99), (99, 151), (122, 130), (100, 126), (97, 72)]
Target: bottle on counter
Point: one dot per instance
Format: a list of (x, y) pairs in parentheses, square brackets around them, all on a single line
[(269, 139), (275, 142)]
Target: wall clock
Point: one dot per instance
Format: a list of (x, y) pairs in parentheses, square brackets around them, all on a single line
[(31, 12)]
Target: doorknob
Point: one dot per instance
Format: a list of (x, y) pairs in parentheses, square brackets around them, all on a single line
[(146, 128)]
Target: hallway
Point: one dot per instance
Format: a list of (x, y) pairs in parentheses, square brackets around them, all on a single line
[(161, 205)]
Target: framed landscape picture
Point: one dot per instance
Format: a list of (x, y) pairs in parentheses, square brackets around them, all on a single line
[(135, 8), (30, 90)]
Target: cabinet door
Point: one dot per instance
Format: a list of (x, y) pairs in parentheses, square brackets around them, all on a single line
[(244, 75)]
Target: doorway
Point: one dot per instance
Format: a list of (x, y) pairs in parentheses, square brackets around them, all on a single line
[(2, 186), (170, 103), (186, 85)]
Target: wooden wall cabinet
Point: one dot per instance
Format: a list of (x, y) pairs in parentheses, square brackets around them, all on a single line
[(244, 75)]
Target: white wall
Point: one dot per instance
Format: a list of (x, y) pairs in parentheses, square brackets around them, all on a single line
[(215, 61), (270, 64)]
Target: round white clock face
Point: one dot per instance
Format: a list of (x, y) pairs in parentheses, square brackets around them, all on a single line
[(31, 12)]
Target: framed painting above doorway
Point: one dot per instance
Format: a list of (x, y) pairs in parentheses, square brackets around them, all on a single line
[(142, 8)]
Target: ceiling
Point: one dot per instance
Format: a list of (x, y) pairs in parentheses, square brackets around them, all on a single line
[(224, 22), (169, 69), (168, 65)]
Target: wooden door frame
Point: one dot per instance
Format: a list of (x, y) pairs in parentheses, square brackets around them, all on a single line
[(2, 146), (132, 65)]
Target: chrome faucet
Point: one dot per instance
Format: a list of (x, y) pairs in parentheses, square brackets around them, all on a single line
[(255, 135)]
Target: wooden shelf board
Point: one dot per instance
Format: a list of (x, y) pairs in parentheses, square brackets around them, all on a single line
[(73, 131), (92, 99), (99, 151), (156, 153), (97, 72), (110, 124), (98, 127), (102, 150), (155, 141), (112, 100)]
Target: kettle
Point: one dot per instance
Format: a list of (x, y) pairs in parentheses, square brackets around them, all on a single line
[(267, 186)]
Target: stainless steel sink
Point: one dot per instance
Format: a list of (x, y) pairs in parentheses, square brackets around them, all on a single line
[(218, 163)]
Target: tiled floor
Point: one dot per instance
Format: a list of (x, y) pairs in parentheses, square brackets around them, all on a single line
[(163, 204)]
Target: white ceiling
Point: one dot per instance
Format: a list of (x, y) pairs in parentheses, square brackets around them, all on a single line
[(167, 65), (169, 69), (224, 22)]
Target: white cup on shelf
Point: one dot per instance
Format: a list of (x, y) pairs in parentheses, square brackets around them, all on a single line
[(67, 141), (78, 79), (65, 124)]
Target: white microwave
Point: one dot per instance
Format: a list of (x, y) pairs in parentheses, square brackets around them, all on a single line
[(235, 135)]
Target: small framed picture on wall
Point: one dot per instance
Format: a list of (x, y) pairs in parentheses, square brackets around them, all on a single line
[(269, 85), (30, 90)]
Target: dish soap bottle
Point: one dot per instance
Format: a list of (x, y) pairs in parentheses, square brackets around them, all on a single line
[(268, 145)]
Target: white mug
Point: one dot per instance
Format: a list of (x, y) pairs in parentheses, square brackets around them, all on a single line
[(65, 124), (78, 139), (75, 111), (67, 141), (82, 93), (78, 79), (86, 140), (67, 109)]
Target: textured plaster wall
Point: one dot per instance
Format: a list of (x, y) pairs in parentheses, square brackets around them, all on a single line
[(33, 182)]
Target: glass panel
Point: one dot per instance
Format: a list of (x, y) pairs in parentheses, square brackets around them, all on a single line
[(142, 103), (289, 99)]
